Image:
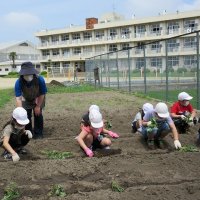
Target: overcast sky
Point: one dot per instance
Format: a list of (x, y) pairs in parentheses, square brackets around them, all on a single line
[(20, 19)]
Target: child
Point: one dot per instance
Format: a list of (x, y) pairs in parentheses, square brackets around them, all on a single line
[(157, 124), (183, 113), (92, 133), (137, 122), (14, 136)]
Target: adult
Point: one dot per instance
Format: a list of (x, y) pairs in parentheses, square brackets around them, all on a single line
[(30, 90)]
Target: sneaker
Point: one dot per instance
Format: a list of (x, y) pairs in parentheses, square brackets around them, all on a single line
[(21, 150), (106, 147), (150, 144), (7, 155)]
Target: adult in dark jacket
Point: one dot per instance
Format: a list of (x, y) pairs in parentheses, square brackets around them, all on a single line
[(30, 90)]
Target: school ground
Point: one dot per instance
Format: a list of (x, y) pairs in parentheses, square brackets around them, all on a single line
[(143, 174)]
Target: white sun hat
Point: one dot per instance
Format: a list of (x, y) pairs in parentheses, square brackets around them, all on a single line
[(162, 110), (147, 107), (184, 96), (95, 107), (20, 115), (95, 118)]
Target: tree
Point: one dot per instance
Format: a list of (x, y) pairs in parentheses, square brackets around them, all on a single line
[(13, 56)]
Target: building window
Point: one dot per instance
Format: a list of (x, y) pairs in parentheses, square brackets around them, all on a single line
[(44, 40), (155, 29), (125, 32), (139, 63), (0, 69), (6, 69), (65, 52), (190, 25), (45, 52), (113, 32), (66, 64), (87, 49), (156, 46), (99, 34), (190, 61), (55, 52), (173, 61), (87, 35), (76, 36), (99, 49), (112, 47), (55, 38), (77, 50), (190, 42), (156, 62), (64, 37), (173, 27), (125, 46)]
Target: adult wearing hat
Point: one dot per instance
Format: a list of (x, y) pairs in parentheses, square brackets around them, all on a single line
[(181, 110), (30, 90)]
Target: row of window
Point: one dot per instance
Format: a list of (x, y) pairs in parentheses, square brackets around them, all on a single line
[(173, 26)]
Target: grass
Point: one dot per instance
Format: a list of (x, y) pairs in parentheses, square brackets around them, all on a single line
[(189, 148), (5, 96), (11, 192), (52, 154), (57, 191), (116, 187)]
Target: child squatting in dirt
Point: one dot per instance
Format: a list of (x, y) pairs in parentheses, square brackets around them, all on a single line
[(14, 136), (157, 124), (92, 133)]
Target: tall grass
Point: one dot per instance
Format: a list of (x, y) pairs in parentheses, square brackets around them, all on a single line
[(5, 96)]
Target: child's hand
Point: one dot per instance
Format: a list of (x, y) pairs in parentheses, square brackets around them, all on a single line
[(89, 152), (113, 135), (15, 157), (28, 133)]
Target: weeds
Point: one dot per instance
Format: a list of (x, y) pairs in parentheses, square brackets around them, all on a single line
[(189, 148), (57, 155), (11, 192), (116, 187), (58, 191)]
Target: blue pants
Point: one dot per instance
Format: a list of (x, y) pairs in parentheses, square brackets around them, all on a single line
[(38, 123), (156, 131)]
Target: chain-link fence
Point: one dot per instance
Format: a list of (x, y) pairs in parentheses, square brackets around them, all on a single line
[(166, 66)]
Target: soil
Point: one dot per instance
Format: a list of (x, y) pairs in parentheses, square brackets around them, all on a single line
[(144, 174)]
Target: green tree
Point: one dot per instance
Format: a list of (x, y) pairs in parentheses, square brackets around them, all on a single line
[(13, 56)]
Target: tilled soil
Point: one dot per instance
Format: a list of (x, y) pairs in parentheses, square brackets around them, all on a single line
[(144, 174)]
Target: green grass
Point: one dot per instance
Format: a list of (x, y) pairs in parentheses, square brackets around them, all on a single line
[(57, 155), (5, 96), (73, 89), (11, 192)]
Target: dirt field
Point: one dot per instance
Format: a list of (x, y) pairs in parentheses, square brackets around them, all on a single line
[(144, 174)]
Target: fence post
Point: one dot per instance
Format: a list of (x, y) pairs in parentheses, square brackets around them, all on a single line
[(167, 72), (129, 71), (145, 74), (198, 83), (108, 62), (117, 70)]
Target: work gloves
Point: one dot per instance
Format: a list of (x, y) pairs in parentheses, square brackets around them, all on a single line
[(112, 134), (15, 158), (177, 144), (28, 133), (183, 117), (89, 152)]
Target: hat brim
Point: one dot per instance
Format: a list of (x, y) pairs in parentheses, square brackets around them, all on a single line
[(188, 98), (97, 125), (163, 115), (23, 122), (28, 71)]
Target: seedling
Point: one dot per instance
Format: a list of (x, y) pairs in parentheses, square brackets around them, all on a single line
[(108, 124), (11, 192), (189, 148), (57, 155), (116, 187), (152, 125), (58, 191)]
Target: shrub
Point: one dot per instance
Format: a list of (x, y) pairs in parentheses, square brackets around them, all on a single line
[(43, 73)]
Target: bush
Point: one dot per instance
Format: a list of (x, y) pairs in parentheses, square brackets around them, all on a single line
[(181, 70), (13, 73), (43, 73)]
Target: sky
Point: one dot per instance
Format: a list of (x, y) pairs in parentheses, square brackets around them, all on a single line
[(21, 19)]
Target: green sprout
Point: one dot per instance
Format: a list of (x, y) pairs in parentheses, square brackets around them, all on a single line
[(11, 192), (189, 148), (57, 155), (116, 187), (58, 191), (152, 125), (108, 124)]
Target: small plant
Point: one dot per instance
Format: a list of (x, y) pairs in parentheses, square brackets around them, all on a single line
[(152, 125), (116, 187), (108, 124), (11, 192), (189, 148), (57, 155), (58, 191)]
